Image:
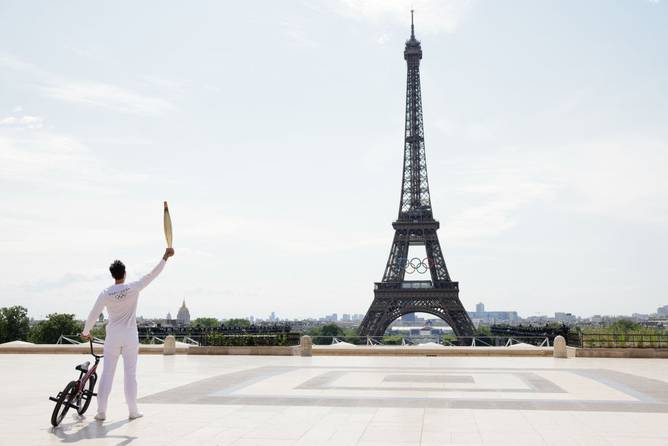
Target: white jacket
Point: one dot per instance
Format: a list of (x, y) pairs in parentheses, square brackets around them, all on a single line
[(121, 302)]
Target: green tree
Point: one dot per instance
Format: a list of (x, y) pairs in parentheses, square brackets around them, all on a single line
[(237, 323), (483, 330), (14, 324), (323, 335), (48, 331), (623, 326), (99, 332), (331, 330), (449, 339), (206, 322), (393, 340)]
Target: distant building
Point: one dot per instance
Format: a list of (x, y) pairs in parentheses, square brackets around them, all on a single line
[(272, 317), (345, 317), (183, 316), (169, 316), (491, 317), (662, 311), (538, 319), (566, 318), (334, 317), (410, 317)]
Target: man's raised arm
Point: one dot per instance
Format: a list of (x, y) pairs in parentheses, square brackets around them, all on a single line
[(148, 278)]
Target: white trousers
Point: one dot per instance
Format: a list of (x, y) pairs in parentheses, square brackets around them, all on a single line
[(115, 346)]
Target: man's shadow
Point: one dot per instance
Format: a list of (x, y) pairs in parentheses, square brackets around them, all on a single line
[(68, 434)]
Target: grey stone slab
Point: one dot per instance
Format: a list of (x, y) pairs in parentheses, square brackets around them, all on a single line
[(412, 378), (539, 384), (224, 384), (322, 381), (644, 389), (534, 382), (442, 403)]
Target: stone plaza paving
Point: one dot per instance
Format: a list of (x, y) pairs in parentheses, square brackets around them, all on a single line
[(272, 400)]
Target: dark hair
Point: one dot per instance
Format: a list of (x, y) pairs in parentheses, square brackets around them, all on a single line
[(117, 270)]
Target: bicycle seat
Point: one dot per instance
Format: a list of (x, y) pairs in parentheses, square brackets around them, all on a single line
[(83, 367)]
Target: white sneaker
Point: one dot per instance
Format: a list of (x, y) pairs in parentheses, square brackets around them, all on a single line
[(134, 416), (100, 416)]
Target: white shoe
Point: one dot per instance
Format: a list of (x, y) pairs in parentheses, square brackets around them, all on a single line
[(100, 416), (134, 416)]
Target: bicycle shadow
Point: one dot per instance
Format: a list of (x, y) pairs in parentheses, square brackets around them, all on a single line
[(94, 429)]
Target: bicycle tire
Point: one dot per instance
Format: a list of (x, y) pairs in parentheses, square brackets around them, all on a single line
[(87, 395), (61, 408)]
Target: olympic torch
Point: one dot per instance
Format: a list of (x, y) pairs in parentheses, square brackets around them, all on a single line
[(167, 221)]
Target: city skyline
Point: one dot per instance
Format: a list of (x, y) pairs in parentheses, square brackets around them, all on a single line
[(348, 316), (277, 140)]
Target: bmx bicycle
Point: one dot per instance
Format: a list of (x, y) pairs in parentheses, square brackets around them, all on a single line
[(77, 394)]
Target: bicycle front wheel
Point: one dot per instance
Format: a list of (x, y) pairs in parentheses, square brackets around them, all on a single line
[(87, 394), (63, 403)]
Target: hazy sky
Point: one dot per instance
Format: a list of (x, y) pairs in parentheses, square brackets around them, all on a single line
[(275, 130)]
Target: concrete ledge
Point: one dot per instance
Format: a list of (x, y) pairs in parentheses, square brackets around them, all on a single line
[(72, 349), (621, 352), (294, 350), (328, 350), (387, 350), (158, 349)]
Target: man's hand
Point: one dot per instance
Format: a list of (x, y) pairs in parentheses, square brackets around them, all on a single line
[(168, 253), (83, 336)]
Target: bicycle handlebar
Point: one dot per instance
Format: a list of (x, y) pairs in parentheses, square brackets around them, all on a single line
[(92, 352)]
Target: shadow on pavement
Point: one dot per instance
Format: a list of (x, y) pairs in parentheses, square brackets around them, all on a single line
[(79, 430)]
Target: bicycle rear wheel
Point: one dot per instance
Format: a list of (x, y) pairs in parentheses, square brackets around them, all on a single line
[(63, 403), (87, 395)]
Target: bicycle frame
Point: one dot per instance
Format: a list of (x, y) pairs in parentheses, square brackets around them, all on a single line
[(83, 377)]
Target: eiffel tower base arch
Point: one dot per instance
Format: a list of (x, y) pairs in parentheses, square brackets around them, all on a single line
[(390, 304)]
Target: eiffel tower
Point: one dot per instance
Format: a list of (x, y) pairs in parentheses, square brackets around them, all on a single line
[(394, 296)]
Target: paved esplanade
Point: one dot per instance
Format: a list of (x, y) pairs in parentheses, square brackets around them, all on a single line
[(264, 400)]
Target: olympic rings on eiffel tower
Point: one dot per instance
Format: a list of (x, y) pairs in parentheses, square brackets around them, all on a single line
[(417, 265)]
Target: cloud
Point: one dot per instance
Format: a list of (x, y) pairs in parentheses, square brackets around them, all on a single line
[(492, 191), (624, 180), (108, 96), (40, 156), (382, 39), (66, 280), (431, 16), (620, 180), (13, 63), (289, 236), (92, 93), (171, 86), (297, 35), (25, 122), (29, 158)]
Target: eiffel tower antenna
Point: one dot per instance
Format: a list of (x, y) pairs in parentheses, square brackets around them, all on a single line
[(395, 296)]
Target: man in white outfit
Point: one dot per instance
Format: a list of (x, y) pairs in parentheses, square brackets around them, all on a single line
[(122, 338)]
